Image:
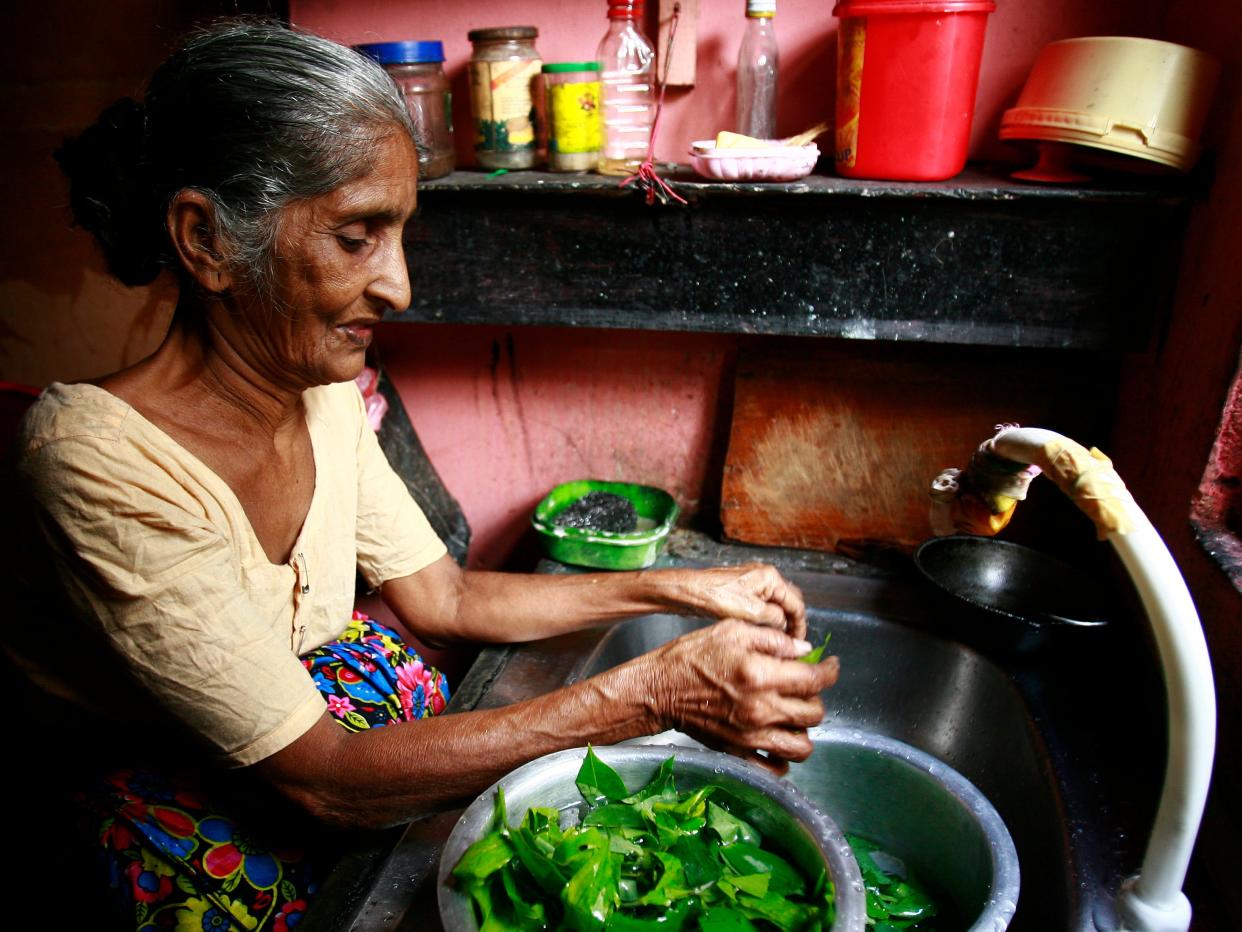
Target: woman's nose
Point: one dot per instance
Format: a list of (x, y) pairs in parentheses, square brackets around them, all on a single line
[(391, 283)]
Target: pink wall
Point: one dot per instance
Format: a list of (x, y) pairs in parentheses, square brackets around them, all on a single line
[(507, 414), (642, 407), (806, 29)]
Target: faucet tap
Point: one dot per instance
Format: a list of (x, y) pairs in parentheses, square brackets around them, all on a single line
[(980, 500)]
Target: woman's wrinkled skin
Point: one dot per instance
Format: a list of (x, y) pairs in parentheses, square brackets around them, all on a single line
[(227, 384)]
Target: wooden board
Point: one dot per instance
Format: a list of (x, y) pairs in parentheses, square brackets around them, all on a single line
[(834, 448)]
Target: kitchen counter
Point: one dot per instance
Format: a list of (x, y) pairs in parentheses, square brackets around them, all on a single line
[(1080, 818)]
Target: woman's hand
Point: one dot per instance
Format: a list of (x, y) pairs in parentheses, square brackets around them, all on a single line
[(755, 593), (739, 688)]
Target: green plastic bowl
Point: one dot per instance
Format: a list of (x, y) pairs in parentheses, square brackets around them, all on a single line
[(606, 550)]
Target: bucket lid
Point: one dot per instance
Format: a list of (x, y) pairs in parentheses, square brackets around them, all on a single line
[(403, 53), (1100, 132), (881, 7)]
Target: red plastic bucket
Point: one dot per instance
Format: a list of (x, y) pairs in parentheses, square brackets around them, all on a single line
[(907, 72)]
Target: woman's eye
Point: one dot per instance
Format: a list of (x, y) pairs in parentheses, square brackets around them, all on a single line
[(350, 243)]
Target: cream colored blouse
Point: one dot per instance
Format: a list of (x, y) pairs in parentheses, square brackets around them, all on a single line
[(155, 553)]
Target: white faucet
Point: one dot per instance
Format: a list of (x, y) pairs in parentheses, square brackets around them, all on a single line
[(980, 501)]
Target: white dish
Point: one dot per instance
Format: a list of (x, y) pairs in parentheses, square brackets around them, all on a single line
[(767, 163)]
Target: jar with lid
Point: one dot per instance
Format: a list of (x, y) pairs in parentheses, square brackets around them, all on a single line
[(573, 99), (502, 70), (418, 70)]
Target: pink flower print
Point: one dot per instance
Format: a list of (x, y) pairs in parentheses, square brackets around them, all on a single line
[(339, 705), (437, 702)]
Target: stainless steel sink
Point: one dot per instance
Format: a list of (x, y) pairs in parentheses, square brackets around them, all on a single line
[(938, 696), (992, 726), (1051, 746)]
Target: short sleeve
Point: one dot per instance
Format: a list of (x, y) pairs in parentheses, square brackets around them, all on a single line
[(140, 561), (393, 536)]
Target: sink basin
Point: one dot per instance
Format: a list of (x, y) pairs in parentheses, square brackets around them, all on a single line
[(1068, 748), (955, 704)]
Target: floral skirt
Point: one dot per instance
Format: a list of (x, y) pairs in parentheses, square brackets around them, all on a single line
[(180, 854)]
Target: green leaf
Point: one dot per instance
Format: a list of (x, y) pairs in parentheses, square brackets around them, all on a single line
[(671, 920), (697, 861), (749, 859), (817, 653), (597, 781), (723, 919), (530, 915), (616, 815), (776, 909), (538, 863), (500, 818), (591, 895), (671, 885), (482, 859), (729, 828), (659, 785), (754, 884)]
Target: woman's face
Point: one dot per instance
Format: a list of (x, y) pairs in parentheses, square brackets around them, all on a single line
[(339, 266)]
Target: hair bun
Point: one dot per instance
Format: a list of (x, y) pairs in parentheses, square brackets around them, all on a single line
[(109, 193)]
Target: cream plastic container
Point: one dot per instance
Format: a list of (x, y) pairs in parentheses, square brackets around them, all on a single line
[(1133, 97)]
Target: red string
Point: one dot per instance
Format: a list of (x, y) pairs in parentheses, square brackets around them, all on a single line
[(646, 177)]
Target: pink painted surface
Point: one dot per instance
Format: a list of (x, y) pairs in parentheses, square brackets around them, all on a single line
[(507, 414), (569, 30), (640, 407)]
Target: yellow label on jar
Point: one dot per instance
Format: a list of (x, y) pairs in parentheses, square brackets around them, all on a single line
[(574, 117), (503, 109), (851, 40)]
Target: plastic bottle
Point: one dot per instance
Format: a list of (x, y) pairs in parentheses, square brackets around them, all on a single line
[(627, 72), (757, 65)]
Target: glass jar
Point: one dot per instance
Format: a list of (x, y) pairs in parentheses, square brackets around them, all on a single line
[(418, 70), (572, 90), (502, 69)]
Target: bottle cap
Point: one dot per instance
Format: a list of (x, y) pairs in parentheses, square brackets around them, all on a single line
[(760, 8), (403, 53), (567, 67), (502, 32), (625, 9)]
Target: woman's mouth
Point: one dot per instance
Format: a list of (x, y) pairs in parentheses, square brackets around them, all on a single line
[(358, 333)]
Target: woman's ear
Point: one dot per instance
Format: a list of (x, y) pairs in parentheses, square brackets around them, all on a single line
[(192, 227)]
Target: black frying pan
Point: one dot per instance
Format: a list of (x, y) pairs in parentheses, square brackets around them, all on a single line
[(1009, 596)]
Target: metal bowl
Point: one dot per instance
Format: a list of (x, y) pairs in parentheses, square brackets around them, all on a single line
[(1010, 598), (922, 811), (774, 806)]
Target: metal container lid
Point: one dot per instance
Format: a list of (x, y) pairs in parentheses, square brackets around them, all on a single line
[(500, 33), (408, 52)]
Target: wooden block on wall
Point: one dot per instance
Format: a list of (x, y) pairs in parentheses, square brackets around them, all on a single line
[(685, 43), (833, 447)]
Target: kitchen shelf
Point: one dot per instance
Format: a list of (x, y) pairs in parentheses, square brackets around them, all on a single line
[(980, 259)]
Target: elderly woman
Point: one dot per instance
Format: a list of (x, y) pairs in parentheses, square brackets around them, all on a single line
[(200, 516)]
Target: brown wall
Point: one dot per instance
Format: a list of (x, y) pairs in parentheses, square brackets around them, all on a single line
[(1171, 404)]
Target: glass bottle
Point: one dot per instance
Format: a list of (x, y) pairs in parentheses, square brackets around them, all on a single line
[(756, 72), (627, 78)]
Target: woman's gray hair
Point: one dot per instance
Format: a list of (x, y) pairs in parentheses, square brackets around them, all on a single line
[(251, 113)]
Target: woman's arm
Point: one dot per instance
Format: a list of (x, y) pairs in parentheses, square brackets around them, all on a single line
[(733, 686), (443, 603)]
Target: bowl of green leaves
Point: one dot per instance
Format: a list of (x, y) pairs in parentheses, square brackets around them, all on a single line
[(644, 838)]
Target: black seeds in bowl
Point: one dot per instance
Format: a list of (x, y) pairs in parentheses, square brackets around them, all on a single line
[(600, 511)]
